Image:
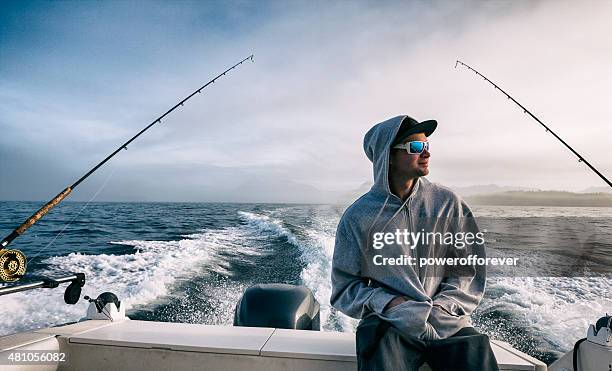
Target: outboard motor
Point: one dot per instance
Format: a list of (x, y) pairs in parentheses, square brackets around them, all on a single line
[(278, 306)]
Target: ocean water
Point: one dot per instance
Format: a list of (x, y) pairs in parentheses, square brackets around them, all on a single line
[(190, 262)]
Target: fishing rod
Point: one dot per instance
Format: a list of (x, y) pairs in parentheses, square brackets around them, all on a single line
[(548, 130), (13, 262)]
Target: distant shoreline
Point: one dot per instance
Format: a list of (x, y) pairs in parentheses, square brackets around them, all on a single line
[(542, 198), (507, 198)]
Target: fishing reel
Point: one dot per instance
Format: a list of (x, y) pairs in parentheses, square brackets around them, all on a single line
[(12, 265)]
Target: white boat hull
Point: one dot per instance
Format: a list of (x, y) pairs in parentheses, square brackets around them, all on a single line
[(98, 345)]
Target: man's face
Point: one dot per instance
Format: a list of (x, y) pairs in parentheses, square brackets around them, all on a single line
[(410, 165)]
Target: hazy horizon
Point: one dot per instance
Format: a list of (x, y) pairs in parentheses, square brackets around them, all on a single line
[(473, 194)]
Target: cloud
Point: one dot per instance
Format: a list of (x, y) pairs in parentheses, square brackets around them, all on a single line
[(84, 79)]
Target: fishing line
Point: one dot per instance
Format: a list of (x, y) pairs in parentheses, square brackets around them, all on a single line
[(76, 216), (107, 312)]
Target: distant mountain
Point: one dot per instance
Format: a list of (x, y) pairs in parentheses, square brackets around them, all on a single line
[(464, 191), (602, 189), (350, 196), (542, 198), (272, 191), (493, 194), (487, 189)]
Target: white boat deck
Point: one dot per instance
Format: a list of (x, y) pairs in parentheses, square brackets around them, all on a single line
[(141, 345)]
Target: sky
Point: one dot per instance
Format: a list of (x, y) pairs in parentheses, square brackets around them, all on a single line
[(77, 79)]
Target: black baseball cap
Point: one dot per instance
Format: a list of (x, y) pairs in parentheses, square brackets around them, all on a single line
[(411, 126)]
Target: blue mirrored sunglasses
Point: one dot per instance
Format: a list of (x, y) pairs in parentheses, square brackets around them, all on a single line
[(414, 147)]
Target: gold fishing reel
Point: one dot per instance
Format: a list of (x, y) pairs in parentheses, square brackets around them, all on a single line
[(12, 265)]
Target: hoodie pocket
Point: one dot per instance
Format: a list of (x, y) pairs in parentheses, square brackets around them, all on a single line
[(409, 317), (388, 311), (447, 318), (451, 308)]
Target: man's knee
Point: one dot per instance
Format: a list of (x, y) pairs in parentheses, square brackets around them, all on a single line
[(382, 346), (369, 334), (481, 340), (393, 352), (467, 331)]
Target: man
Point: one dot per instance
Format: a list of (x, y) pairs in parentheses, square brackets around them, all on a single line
[(410, 314)]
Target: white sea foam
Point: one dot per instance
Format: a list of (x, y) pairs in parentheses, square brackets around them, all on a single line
[(557, 309), (317, 254), (143, 276), (136, 278), (268, 226), (231, 242), (316, 247)]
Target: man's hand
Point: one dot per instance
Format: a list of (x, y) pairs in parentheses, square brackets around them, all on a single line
[(396, 301)]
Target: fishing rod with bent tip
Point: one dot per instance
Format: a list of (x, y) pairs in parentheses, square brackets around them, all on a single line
[(13, 262), (548, 130)]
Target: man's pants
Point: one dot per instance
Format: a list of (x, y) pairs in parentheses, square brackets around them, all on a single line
[(381, 346)]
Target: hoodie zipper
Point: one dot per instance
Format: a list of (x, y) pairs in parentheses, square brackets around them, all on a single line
[(409, 214)]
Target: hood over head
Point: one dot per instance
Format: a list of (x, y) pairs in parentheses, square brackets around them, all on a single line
[(377, 146)]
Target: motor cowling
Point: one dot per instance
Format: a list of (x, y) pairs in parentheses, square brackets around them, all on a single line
[(278, 306)]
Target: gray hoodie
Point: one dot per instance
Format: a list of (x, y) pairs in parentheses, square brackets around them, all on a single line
[(440, 300)]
